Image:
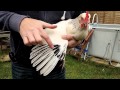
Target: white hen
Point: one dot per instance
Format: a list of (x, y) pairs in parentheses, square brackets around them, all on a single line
[(43, 58)]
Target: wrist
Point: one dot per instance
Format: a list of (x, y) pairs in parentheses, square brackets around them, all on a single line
[(15, 21)]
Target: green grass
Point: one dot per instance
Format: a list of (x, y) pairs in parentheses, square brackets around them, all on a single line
[(5, 67), (5, 70), (89, 70), (74, 70)]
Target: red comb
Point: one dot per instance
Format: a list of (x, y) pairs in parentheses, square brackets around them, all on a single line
[(87, 16), (85, 20)]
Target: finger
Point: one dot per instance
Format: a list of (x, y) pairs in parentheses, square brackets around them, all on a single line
[(31, 38), (47, 25), (26, 41), (47, 39), (72, 43), (67, 37), (37, 36)]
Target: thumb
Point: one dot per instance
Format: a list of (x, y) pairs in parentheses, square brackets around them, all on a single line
[(47, 25), (67, 37)]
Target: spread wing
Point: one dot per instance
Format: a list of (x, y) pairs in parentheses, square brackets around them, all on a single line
[(45, 59)]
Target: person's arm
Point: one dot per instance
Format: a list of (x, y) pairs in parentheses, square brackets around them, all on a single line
[(31, 30), (10, 20)]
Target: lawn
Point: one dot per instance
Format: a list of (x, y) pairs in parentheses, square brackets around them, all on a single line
[(5, 66), (5, 70), (89, 70), (74, 70)]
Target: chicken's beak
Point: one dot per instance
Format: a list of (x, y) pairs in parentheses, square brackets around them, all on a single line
[(84, 23)]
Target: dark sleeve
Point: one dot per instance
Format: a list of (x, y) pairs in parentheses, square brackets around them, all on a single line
[(77, 13), (10, 20)]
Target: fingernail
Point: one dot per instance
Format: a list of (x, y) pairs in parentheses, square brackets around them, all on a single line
[(52, 46), (54, 24)]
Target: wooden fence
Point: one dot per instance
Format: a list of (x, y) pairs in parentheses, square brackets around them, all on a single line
[(107, 17)]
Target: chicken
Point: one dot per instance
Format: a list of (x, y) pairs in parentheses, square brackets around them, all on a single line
[(43, 58)]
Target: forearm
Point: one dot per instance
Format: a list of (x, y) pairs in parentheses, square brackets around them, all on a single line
[(10, 20)]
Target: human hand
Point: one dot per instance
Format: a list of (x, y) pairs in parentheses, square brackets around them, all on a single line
[(71, 41), (32, 32)]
